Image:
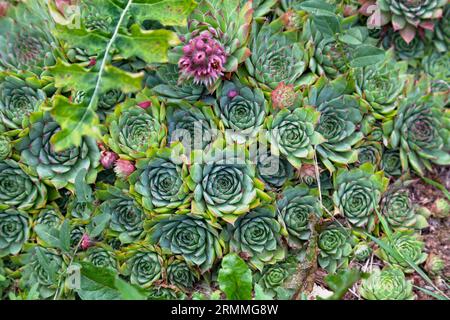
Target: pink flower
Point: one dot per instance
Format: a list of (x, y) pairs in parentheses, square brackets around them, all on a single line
[(123, 168), (3, 8), (284, 96), (61, 5), (145, 104), (107, 159), (203, 59), (85, 242)]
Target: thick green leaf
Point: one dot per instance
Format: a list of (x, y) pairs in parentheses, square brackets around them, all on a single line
[(235, 278), (168, 12), (50, 236), (366, 55)]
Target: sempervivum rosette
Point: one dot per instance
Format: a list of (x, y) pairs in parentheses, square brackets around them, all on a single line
[(213, 47), (160, 183), (273, 277), (194, 126), (386, 284), (362, 251), (257, 237), (369, 152), (335, 248), (14, 231), (421, 130), (274, 171), (59, 168), (380, 85), (224, 184), (404, 50), (409, 247), (295, 208), (5, 146), (340, 115), (195, 238), (242, 109), (127, 217), (135, 131), (49, 216), (144, 265), (19, 97), (42, 268), (357, 194), (277, 56), (102, 256), (390, 162), (293, 134), (180, 275), (18, 189), (398, 209)]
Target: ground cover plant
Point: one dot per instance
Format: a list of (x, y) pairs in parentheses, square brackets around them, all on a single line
[(172, 149)]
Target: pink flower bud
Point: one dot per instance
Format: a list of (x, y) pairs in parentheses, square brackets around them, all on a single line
[(123, 168), (85, 242), (107, 159), (3, 8), (232, 93), (145, 104)]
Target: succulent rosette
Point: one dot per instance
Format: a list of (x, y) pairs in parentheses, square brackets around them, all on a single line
[(194, 238), (213, 47), (143, 264), (405, 51), (435, 265), (242, 110), (273, 277), (340, 115), (42, 268), (380, 85), (357, 194), (398, 209), (102, 257), (391, 163), (58, 168), (257, 236), (295, 208), (160, 183), (293, 134), (223, 183), (49, 216), (369, 152), (421, 130), (194, 126), (14, 231), (5, 147), (134, 131), (277, 56), (362, 251), (273, 170), (18, 189), (335, 248), (406, 16), (437, 65), (19, 97), (164, 293), (180, 275), (408, 246), (127, 216), (386, 284)]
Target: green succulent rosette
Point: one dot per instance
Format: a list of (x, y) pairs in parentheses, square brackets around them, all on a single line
[(357, 194), (437, 65), (194, 238), (410, 52), (257, 236), (127, 216), (340, 116), (386, 284), (164, 293), (293, 134), (160, 183), (277, 57), (49, 216), (273, 170), (180, 275), (369, 152), (5, 147), (57, 168), (20, 95), (168, 87), (408, 246), (42, 268), (398, 208), (295, 207), (440, 35), (26, 40), (391, 162), (18, 189), (421, 130), (223, 183), (335, 248), (362, 251), (14, 231), (134, 132), (381, 84), (102, 257), (144, 266), (242, 110), (196, 127)]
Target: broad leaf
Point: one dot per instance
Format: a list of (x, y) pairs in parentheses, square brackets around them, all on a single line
[(235, 278)]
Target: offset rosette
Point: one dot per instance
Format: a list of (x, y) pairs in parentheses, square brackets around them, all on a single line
[(14, 231), (335, 248), (386, 284)]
